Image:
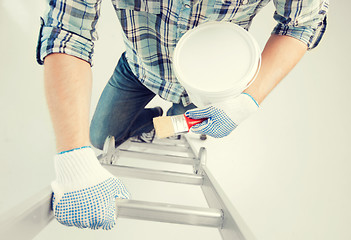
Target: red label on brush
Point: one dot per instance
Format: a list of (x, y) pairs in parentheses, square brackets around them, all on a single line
[(191, 122)]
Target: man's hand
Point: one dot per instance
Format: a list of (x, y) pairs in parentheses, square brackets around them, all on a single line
[(84, 192), (223, 117)]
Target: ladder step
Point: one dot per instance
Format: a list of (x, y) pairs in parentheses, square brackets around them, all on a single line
[(174, 142), (173, 148), (157, 175), (169, 213), (157, 157)]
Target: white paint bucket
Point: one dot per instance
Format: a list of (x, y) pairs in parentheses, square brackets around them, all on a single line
[(215, 61)]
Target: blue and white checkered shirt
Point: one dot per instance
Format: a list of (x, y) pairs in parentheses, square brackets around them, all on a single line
[(152, 29)]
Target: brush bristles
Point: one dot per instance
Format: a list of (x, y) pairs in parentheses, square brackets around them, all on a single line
[(163, 127)]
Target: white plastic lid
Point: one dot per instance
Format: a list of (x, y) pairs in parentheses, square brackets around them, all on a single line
[(216, 57)]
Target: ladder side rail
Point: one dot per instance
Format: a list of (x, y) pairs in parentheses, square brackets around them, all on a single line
[(28, 218), (234, 227), (194, 151)]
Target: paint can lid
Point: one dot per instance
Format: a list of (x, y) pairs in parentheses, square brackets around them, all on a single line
[(216, 58)]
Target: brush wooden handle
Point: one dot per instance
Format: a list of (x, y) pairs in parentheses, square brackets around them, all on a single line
[(191, 122)]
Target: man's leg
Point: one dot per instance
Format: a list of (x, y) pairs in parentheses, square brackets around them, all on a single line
[(120, 111)]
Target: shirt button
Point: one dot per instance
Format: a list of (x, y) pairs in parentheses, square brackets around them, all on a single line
[(187, 5)]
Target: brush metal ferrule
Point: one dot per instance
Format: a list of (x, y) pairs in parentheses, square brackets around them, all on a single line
[(179, 124)]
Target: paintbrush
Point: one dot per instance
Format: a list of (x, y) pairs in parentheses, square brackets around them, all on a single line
[(172, 125)]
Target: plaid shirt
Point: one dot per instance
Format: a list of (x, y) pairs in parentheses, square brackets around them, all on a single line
[(152, 29)]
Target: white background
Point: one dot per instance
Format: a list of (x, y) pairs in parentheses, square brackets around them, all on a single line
[(286, 169)]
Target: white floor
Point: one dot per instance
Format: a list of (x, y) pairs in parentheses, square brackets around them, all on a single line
[(286, 169)]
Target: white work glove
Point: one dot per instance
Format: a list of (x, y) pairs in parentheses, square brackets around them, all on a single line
[(223, 117), (84, 192)]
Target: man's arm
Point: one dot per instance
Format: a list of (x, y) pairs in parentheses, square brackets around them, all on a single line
[(89, 191), (84, 192), (65, 46), (279, 56), (301, 25), (68, 83)]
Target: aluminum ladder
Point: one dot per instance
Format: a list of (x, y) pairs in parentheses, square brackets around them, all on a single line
[(35, 213)]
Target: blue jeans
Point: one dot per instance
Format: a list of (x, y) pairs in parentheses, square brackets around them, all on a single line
[(121, 110)]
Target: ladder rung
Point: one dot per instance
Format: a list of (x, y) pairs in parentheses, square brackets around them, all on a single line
[(163, 147), (157, 157), (170, 213), (165, 141), (158, 175)]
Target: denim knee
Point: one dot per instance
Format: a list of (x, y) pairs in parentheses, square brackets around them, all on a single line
[(177, 109), (96, 138)]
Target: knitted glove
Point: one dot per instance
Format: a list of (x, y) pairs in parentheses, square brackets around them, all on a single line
[(84, 192), (223, 117)]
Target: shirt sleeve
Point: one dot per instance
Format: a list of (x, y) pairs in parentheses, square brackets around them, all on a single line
[(305, 20), (69, 26)]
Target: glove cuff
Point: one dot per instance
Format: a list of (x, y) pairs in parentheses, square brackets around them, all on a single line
[(246, 105), (77, 169), (239, 108)]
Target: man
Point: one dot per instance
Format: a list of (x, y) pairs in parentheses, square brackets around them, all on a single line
[(85, 193)]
